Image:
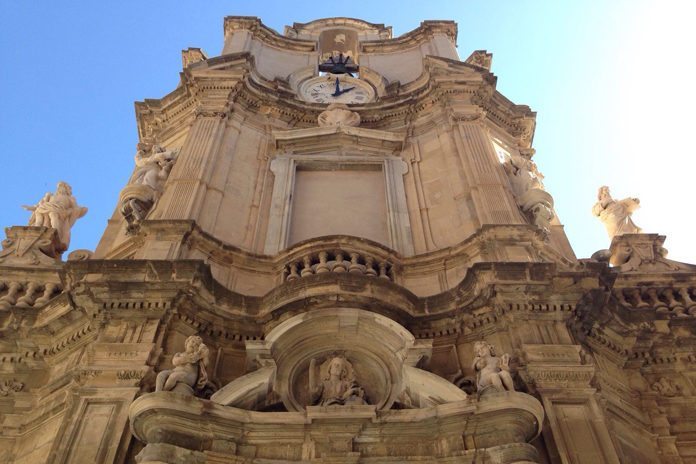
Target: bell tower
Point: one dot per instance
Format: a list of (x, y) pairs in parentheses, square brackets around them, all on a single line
[(335, 246)]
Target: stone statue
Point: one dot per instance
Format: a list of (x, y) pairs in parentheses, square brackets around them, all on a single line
[(491, 371), (59, 211), (616, 215), (338, 387), (523, 174), (528, 189), (147, 184), (152, 169), (189, 374)]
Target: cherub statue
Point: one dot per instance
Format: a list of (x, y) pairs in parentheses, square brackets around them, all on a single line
[(524, 174), (153, 169), (491, 371), (338, 387), (59, 211), (189, 374), (616, 215)]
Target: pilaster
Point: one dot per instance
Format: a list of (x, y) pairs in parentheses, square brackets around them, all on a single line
[(562, 377), (185, 191), (492, 200)]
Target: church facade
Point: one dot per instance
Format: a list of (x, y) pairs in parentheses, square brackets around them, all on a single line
[(336, 247)]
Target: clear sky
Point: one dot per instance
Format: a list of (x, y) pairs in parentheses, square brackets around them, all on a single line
[(612, 82)]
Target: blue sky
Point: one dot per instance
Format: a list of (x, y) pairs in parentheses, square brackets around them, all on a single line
[(612, 82)]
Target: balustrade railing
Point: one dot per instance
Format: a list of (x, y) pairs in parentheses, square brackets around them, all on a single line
[(338, 261)]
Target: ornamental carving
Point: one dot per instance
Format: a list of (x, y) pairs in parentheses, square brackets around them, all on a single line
[(337, 385), (137, 199), (643, 253), (189, 375), (10, 386), (666, 387), (338, 114), (528, 189), (30, 246), (492, 372)]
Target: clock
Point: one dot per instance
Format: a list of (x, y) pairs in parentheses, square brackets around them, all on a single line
[(336, 88)]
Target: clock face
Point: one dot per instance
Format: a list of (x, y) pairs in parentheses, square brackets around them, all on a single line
[(333, 88)]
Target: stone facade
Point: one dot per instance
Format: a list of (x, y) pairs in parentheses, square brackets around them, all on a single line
[(386, 280)]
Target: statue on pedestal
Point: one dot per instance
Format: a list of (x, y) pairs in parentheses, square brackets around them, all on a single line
[(491, 371), (147, 184), (527, 186), (59, 211), (616, 215), (338, 387), (189, 374)]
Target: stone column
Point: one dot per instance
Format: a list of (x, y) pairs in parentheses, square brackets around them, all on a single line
[(576, 421)]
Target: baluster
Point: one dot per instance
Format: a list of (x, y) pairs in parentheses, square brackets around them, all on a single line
[(293, 273), (339, 265), (355, 267), (11, 297), (659, 306), (323, 265), (638, 298), (673, 304), (688, 302), (47, 294), (307, 269), (28, 298), (383, 270), (622, 298), (369, 267)]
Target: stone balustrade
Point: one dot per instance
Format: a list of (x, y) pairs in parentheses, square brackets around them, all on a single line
[(680, 302), (338, 261), (27, 294)]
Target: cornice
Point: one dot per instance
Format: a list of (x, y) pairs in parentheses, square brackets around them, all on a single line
[(208, 306), (318, 139), (316, 26), (266, 35), (412, 38)]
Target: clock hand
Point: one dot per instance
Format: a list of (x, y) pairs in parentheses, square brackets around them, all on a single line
[(338, 90), (347, 90)]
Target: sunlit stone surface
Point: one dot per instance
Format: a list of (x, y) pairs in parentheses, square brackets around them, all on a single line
[(336, 247)]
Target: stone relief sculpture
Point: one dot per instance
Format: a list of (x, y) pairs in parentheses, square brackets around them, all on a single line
[(527, 186), (616, 215), (59, 211), (491, 371), (147, 184), (338, 114), (337, 387), (189, 374)]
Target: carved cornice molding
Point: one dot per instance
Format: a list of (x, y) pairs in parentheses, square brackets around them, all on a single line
[(316, 26), (265, 34), (414, 38), (30, 246), (320, 139)]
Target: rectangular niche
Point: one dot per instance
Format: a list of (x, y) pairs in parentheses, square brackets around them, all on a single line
[(339, 199)]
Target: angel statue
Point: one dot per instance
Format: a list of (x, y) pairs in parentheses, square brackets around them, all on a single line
[(338, 387), (189, 374), (59, 211), (491, 371)]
